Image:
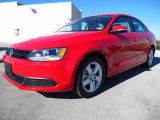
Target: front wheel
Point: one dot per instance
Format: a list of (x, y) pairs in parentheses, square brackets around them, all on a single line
[(90, 77)]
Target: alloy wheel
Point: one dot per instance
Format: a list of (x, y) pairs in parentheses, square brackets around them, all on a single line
[(150, 57), (92, 77)]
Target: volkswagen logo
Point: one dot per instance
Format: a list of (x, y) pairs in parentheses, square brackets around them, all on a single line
[(11, 52)]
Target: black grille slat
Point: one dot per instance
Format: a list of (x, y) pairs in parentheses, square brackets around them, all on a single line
[(17, 78), (19, 54), (22, 54), (24, 51), (38, 82)]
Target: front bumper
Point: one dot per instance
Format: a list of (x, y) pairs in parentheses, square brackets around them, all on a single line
[(38, 76)]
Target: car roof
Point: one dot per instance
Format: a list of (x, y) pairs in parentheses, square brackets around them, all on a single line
[(115, 15)]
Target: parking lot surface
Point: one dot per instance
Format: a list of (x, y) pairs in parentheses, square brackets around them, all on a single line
[(132, 95)]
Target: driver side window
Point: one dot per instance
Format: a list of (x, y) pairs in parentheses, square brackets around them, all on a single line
[(124, 21)]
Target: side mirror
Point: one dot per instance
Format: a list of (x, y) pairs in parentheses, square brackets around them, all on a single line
[(118, 28)]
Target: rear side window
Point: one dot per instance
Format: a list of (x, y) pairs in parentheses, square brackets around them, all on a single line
[(138, 26), (124, 21)]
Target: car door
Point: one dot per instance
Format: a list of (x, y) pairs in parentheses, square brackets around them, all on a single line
[(141, 37), (123, 54)]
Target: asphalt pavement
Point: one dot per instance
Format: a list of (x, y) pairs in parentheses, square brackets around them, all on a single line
[(132, 95)]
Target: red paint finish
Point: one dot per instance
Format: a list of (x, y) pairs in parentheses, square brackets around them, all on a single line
[(119, 27), (122, 51)]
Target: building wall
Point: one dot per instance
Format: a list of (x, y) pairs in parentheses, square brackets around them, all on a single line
[(76, 13), (23, 22)]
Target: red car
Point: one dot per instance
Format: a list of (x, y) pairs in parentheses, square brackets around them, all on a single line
[(81, 55)]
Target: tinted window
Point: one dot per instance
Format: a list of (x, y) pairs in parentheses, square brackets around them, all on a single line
[(124, 21), (96, 23), (137, 26)]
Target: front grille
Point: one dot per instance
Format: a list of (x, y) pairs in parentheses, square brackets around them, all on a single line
[(22, 54), (33, 82)]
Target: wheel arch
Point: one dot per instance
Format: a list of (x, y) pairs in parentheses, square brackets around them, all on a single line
[(98, 54)]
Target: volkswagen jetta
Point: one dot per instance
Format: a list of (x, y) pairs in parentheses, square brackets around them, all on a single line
[(81, 55)]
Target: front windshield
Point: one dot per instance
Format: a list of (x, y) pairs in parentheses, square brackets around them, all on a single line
[(96, 23)]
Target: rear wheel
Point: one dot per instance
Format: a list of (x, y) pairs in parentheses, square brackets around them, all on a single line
[(90, 77), (150, 58)]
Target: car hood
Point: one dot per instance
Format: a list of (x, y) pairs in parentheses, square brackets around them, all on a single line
[(63, 39)]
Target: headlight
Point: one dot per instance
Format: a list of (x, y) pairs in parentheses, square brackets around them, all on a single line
[(47, 54)]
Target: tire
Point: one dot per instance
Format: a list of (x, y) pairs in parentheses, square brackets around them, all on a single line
[(150, 58), (90, 77)]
